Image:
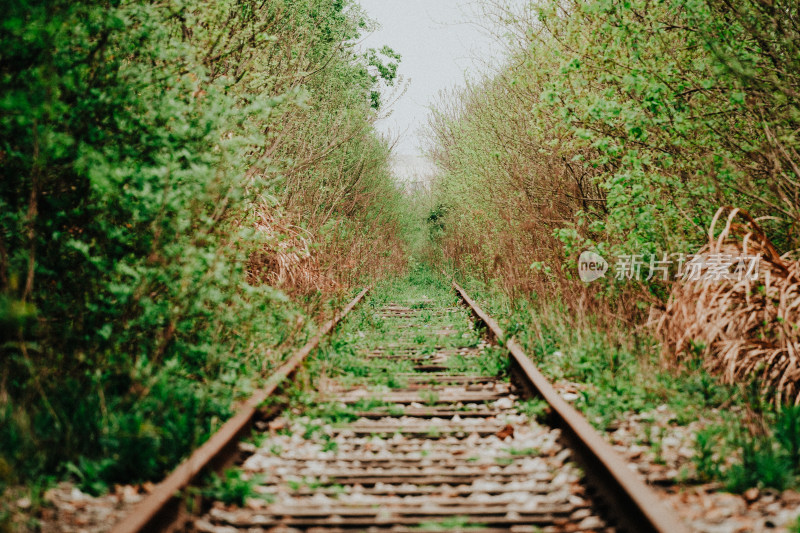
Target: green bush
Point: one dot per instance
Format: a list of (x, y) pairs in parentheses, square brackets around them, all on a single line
[(153, 159), (622, 127)]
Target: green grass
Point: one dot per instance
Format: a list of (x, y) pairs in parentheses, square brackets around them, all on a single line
[(336, 413), (534, 408), (523, 451), (345, 359), (232, 488), (456, 522), (308, 482), (491, 361)]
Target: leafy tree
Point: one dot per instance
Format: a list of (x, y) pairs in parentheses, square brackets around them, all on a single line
[(156, 162)]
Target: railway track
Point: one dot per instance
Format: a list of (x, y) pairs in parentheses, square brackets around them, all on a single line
[(436, 430)]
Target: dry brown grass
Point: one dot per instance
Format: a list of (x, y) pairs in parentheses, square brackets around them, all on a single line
[(305, 262), (286, 261), (743, 328)]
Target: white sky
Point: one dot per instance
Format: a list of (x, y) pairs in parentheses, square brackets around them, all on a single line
[(441, 41)]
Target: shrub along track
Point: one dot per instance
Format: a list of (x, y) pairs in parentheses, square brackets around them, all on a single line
[(416, 427)]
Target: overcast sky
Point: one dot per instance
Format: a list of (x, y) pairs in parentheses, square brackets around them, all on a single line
[(440, 43)]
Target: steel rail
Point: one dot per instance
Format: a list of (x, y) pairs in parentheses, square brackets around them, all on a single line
[(161, 508), (637, 506)]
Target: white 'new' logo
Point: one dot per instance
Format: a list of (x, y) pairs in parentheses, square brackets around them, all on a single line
[(591, 266)]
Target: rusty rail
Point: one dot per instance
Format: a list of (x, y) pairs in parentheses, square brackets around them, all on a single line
[(636, 505), (161, 508)]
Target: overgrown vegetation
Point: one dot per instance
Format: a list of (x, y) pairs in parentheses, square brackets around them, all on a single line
[(183, 186), (743, 327), (744, 442), (765, 456), (346, 359), (623, 128), (233, 488), (620, 127)]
